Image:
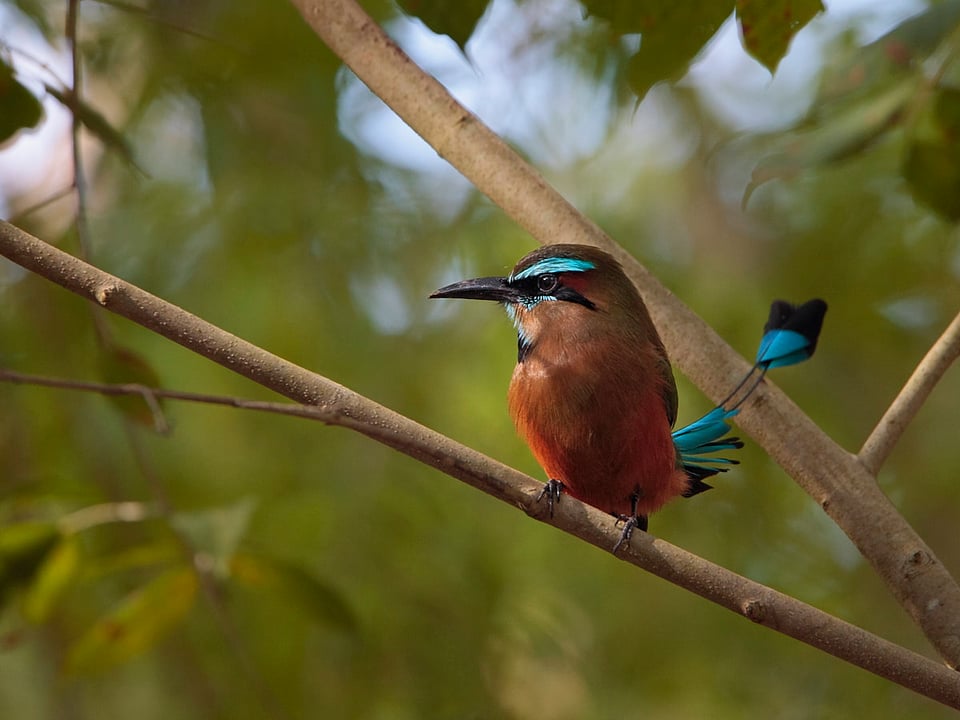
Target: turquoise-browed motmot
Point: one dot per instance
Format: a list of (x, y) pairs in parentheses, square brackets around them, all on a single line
[(593, 394)]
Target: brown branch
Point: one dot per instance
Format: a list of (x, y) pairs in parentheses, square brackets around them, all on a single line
[(833, 477), (907, 404), (335, 404)]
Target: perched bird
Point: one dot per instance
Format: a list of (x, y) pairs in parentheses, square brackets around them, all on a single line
[(593, 394)]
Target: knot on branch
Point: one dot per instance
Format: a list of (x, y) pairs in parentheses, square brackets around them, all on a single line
[(754, 609), (916, 563), (104, 293)]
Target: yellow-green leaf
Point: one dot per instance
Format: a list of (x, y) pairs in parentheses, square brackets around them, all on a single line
[(54, 576), (136, 624), (163, 552), (23, 548)]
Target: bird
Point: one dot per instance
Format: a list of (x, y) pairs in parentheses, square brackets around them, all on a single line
[(593, 393)]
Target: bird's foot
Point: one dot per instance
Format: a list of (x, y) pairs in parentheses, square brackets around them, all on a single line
[(630, 522), (552, 490)]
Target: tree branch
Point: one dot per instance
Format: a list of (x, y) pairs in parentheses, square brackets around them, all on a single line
[(907, 404), (334, 404), (835, 478)]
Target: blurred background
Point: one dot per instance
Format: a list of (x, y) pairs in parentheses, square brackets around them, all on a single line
[(235, 168)]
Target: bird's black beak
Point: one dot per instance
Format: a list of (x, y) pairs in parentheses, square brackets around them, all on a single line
[(486, 288)]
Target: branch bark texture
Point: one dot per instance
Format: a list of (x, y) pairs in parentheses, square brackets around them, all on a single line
[(833, 477), (907, 404), (337, 405)]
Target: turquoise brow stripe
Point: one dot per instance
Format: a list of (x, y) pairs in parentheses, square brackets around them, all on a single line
[(554, 265)]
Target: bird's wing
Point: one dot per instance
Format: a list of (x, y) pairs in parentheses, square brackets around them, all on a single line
[(668, 386)]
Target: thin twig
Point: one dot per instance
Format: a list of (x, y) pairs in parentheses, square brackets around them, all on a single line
[(76, 87), (114, 389), (40, 204), (341, 406), (151, 16), (907, 404), (833, 477), (79, 177)]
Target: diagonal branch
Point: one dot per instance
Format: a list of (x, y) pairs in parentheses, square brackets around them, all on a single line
[(907, 404), (337, 405), (833, 477)]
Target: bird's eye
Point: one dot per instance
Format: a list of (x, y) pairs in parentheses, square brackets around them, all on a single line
[(547, 283)]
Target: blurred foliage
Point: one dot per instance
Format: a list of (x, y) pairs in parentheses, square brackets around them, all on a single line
[(135, 623), (248, 566), (673, 32), (880, 90), (21, 110), (92, 120)]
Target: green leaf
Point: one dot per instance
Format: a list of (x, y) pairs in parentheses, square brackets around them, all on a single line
[(57, 572), (673, 34), (298, 587), (217, 532), (628, 18), (136, 624), (456, 19), (768, 27), (23, 549), (932, 161), (19, 109)]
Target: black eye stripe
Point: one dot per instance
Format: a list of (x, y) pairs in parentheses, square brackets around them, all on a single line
[(538, 287), (571, 295), (529, 286)]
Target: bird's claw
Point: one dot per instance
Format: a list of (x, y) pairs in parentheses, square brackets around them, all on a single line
[(552, 490), (630, 522)]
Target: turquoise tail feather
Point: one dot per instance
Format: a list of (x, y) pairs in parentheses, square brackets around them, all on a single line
[(697, 442), (789, 337)]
